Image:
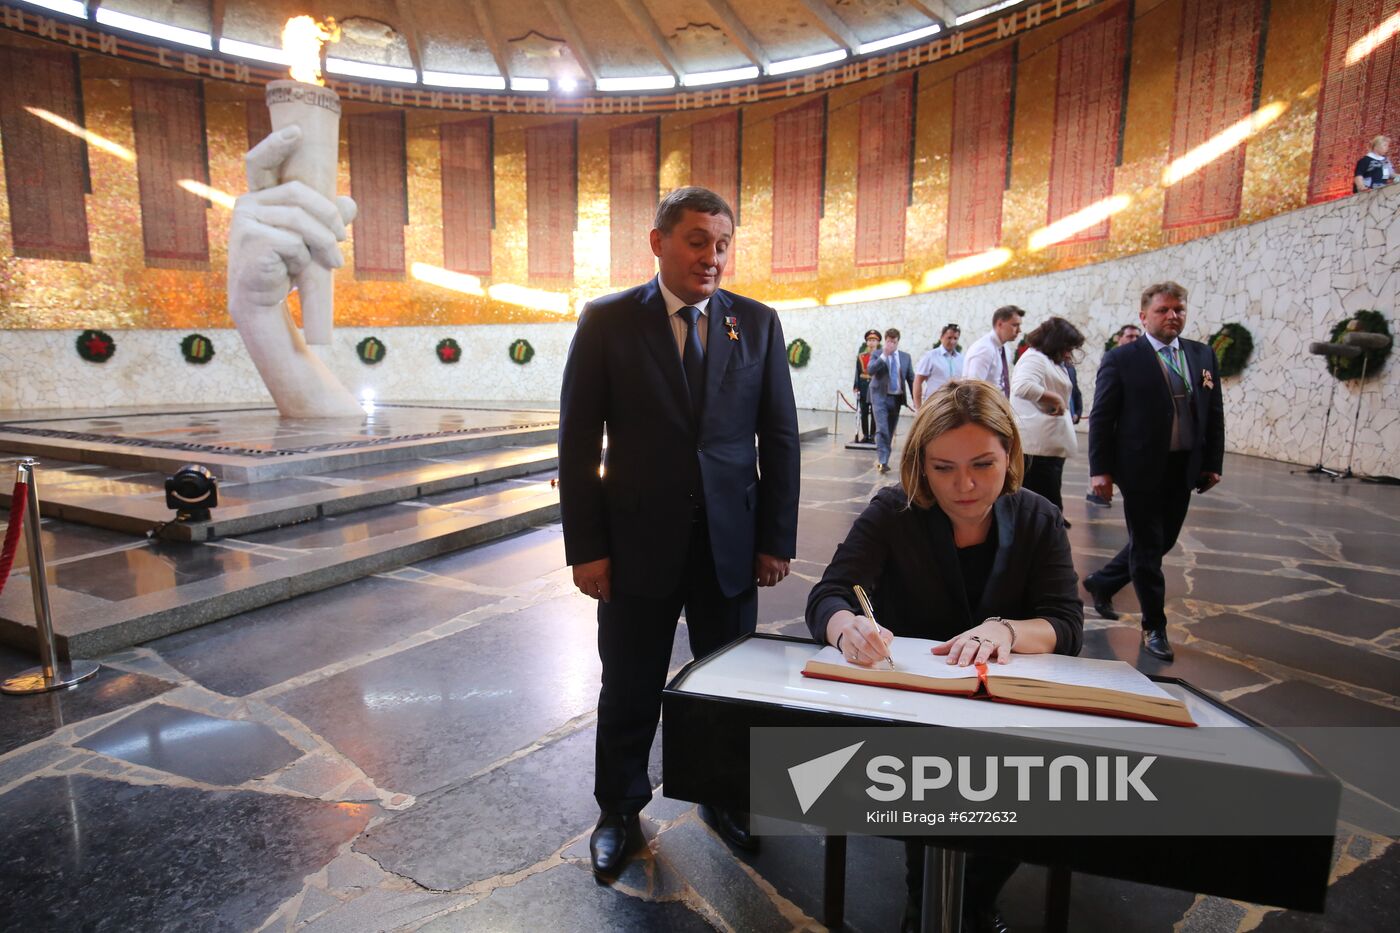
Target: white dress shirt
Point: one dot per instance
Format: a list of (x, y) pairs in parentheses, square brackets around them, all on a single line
[(678, 323), (937, 366), (982, 362)]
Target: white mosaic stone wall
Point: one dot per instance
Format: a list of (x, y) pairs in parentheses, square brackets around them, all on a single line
[(1288, 279)]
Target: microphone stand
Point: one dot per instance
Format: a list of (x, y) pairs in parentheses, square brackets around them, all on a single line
[(1318, 468)]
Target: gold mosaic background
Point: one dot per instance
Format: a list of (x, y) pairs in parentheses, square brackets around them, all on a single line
[(117, 290)]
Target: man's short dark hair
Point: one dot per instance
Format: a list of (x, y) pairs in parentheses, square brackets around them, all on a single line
[(691, 198), (1162, 288), (947, 327), (1006, 313), (892, 333), (1124, 329)]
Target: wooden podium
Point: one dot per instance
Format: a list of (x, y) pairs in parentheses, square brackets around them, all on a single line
[(710, 706)]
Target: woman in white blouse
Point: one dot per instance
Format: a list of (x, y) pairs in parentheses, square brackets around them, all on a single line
[(1040, 391)]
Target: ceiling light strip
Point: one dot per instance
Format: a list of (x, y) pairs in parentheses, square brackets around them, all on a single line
[(149, 27)]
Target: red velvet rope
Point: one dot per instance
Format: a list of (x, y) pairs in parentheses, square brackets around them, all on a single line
[(18, 499), (842, 396)]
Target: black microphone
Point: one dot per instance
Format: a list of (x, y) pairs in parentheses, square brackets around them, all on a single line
[(1320, 348), (1366, 341)]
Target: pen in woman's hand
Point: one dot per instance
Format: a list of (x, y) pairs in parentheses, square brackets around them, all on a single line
[(869, 613)]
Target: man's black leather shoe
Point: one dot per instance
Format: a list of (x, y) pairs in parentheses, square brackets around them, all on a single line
[(732, 827), (1154, 642), (1103, 603), (615, 837)]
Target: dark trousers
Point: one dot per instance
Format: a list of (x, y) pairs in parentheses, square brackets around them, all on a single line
[(1043, 476), (867, 416), (887, 408), (1154, 517), (635, 636), (982, 881)]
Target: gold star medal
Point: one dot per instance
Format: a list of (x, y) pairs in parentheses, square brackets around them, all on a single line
[(732, 323)]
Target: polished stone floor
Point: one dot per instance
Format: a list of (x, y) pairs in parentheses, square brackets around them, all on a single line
[(413, 750)]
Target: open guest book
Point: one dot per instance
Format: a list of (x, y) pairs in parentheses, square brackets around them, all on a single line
[(1083, 685)]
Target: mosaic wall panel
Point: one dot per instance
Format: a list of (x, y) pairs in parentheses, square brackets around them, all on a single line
[(981, 137), (379, 185), (468, 195), (46, 171), (167, 118), (882, 174), (1215, 80), (1359, 100), (989, 168), (1088, 110), (715, 164), (799, 165), (633, 168), (551, 186)]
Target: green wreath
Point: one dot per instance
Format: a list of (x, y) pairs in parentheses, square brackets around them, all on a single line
[(96, 346), (449, 351), (1369, 322), (1232, 343), (371, 350), (521, 352), (799, 353), (197, 349)]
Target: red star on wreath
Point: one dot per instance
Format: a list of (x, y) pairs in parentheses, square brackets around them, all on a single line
[(448, 354), (96, 345)]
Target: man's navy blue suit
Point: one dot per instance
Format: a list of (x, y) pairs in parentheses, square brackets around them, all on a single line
[(1130, 428), (682, 507)]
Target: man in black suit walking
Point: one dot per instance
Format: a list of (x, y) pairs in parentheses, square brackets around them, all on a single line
[(1157, 429), (683, 377)]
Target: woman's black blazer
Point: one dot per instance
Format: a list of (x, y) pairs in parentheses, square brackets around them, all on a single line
[(907, 561)]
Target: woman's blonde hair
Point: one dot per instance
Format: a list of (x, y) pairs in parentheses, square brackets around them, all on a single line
[(954, 404)]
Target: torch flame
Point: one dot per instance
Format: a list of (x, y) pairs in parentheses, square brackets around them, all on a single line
[(302, 39)]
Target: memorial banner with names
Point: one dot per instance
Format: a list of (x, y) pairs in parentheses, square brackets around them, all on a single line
[(167, 120), (468, 195), (46, 170)]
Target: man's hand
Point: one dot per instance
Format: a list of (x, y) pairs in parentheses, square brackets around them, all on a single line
[(594, 579), (1207, 481), (1102, 485), (891, 345), (768, 570)]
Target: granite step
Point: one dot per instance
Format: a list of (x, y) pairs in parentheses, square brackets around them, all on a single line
[(130, 590), (134, 502)]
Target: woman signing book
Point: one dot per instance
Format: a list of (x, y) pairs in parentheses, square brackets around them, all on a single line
[(956, 552)]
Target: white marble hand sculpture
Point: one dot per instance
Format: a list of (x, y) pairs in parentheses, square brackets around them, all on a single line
[(278, 230)]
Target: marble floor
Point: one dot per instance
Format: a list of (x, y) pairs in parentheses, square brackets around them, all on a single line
[(413, 750)]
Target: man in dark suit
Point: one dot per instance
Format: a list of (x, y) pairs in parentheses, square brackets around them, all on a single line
[(683, 377), (891, 372), (1157, 429)]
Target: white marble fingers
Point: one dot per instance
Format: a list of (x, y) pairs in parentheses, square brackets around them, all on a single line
[(277, 231)]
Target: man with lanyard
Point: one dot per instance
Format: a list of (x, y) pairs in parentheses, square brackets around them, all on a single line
[(1157, 430)]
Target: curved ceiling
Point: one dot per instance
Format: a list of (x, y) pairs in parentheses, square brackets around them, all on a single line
[(568, 40)]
